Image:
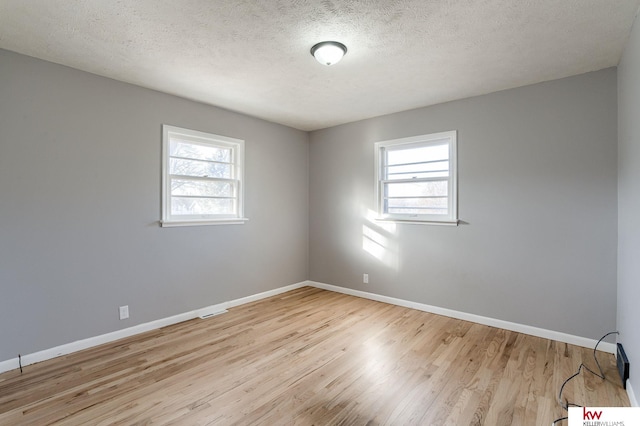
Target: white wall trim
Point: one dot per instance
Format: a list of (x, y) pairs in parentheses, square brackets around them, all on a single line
[(520, 328), (79, 345), (90, 342), (632, 396)]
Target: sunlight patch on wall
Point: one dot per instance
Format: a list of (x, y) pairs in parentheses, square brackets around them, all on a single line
[(378, 240)]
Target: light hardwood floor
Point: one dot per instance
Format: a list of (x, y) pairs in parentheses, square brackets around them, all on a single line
[(311, 357)]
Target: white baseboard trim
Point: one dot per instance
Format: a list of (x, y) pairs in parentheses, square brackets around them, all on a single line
[(632, 396), (79, 345), (520, 328), (28, 359)]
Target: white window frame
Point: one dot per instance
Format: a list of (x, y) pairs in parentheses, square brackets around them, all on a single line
[(423, 140), (202, 138)]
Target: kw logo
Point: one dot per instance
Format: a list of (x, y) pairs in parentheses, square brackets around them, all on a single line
[(590, 415)]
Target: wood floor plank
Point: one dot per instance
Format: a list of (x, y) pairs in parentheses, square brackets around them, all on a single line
[(311, 357)]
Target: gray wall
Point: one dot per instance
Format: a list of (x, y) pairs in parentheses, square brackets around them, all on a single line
[(629, 202), (80, 204), (537, 193)]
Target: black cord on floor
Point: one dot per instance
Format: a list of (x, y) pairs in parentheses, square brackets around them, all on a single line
[(580, 368), (20, 362)]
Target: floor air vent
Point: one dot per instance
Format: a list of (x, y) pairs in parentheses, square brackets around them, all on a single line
[(212, 314)]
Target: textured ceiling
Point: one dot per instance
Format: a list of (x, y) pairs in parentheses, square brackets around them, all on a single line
[(253, 56)]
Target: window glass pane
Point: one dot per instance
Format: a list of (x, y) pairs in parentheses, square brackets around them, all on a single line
[(199, 168), (420, 170), (180, 148), (417, 189), (418, 154), (201, 188), (202, 178), (417, 178), (417, 205), (201, 206)]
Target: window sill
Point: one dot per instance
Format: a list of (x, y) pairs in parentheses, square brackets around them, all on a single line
[(176, 223), (420, 222)]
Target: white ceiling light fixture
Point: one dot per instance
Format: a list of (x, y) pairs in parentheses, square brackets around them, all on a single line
[(328, 52)]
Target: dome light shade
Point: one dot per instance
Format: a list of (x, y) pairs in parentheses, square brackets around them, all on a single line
[(328, 52)]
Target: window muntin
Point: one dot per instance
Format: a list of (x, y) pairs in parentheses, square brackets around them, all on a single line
[(202, 178), (416, 178)]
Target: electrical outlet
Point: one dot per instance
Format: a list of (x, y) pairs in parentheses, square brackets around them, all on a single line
[(365, 278), (124, 312)]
